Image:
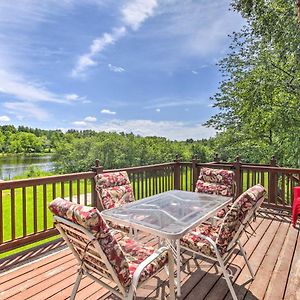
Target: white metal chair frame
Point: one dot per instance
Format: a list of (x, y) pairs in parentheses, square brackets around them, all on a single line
[(222, 260), (93, 249)]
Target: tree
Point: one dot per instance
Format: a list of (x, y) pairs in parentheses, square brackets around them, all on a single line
[(260, 91)]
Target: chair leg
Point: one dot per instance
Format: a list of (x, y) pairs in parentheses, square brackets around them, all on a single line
[(171, 275), (76, 286), (226, 275), (246, 259)]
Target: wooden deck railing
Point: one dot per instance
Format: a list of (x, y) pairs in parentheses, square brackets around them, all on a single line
[(278, 181), (24, 214), (25, 218)]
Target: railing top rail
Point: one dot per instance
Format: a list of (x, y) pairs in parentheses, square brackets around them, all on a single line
[(10, 184), (269, 168), (216, 165), (143, 168)]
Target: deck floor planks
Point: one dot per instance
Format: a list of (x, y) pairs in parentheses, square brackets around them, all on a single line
[(243, 281), (220, 289), (292, 291), (280, 267), (260, 283), (275, 290)]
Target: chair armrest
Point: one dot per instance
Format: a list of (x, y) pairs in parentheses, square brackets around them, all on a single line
[(147, 261)]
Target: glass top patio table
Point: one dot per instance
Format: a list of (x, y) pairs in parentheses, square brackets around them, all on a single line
[(170, 214)]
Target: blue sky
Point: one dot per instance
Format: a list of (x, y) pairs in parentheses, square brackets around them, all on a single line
[(141, 66)]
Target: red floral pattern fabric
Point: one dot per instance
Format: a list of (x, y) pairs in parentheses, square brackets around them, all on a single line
[(195, 243), (114, 189), (123, 253), (224, 233), (136, 253), (215, 181), (90, 218)]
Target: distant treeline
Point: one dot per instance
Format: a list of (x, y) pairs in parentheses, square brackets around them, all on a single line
[(76, 150)]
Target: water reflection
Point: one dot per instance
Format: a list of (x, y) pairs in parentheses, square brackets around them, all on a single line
[(13, 165)]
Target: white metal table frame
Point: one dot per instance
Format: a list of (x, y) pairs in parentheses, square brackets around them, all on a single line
[(198, 208)]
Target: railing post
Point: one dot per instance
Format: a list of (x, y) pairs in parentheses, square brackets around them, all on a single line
[(177, 173), (217, 158), (273, 182), (238, 176), (195, 172), (95, 202)]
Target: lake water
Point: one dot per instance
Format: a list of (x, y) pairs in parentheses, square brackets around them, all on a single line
[(13, 165)]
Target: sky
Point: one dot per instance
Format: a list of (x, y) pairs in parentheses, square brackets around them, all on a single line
[(141, 66)]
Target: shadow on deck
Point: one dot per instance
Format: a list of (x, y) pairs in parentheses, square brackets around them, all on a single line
[(274, 252)]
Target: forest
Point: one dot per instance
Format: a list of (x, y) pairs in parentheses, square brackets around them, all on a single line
[(258, 102)]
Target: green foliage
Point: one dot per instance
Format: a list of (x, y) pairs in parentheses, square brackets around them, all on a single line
[(33, 172), (259, 95), (123, 150)]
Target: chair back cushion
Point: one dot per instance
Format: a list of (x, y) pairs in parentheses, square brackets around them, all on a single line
[(90, 219), (238, 216), (215, 181), (114, 189)]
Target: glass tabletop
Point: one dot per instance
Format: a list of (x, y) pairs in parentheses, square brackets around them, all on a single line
[(169, 214)]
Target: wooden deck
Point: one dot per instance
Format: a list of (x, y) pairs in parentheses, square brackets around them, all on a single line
[(274, 253)]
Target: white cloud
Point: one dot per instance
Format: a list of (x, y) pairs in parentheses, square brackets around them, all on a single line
[(173, 102), (26, 110), (17, 86), (134, 13), (157, 110), (72, 97), (170, 129), (4, 119), (108, 112), (90, 119), (137, 11), (194, 72), (80, 123), (98, 45), (115, 68)]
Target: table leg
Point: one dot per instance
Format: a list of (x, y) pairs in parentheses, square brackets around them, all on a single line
[(178, 267)]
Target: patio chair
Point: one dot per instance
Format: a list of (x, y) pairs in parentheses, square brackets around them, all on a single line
[(218, 242), (102, 257), (114, 189), (216, 181)]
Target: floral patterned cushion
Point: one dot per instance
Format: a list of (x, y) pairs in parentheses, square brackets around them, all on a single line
[(90, 218), (114, 189), (195, 243), (236, 216), (219, 176), (213, 188), (225, 232), (124, 254), (136, 253)]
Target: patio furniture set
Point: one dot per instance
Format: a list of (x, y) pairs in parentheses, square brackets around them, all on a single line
[(208, 222)]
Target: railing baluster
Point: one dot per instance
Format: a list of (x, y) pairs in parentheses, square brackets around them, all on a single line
[(24, 211), (78, 191), (53, 191), (1, 217), (85, 191), (62, 189), (45, 206), (34, 191), (13, 214), (71, 190)]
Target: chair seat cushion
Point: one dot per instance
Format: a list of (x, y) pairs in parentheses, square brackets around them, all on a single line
[(136, 253), (116, 196), (222, 212), (213, 188), (195, 243)]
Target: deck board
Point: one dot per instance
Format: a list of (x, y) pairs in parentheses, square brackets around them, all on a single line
[(274, 253)]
